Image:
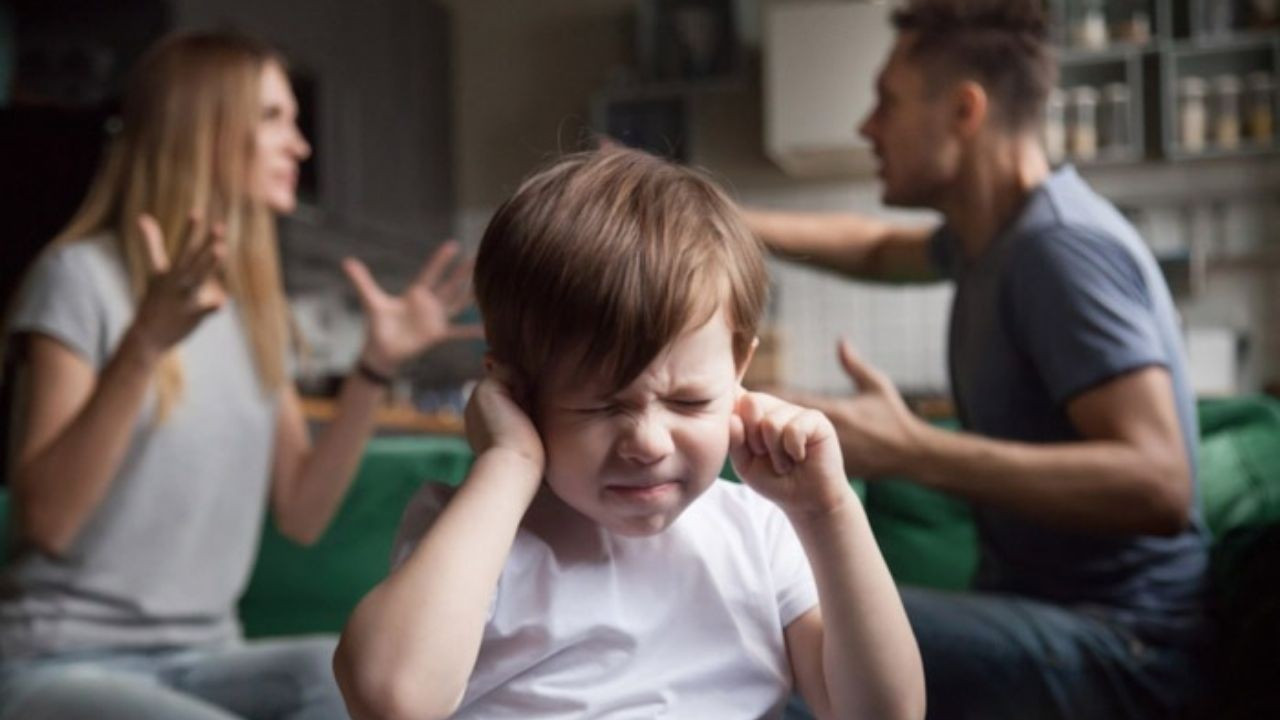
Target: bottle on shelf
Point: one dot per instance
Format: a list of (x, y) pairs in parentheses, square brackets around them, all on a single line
[(1089, 29), (1217, 18), (1055, 127), (1226, 112), (1114, 119), (1259, 113), (1133, 24), (1084, 125), (1192, 114)]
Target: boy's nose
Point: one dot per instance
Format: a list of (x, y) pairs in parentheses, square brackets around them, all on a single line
[(646, 441)]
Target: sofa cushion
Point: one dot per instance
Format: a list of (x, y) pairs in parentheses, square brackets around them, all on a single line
[(1239, 462), (297, 590)]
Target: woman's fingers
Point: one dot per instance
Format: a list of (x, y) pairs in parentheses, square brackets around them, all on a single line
[(197, 236), (455, 291), (153, 239), (203, 265), (430, 273), (366, 287)]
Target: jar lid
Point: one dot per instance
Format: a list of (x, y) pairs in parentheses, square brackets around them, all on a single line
[(1227, 83), (1083, 94), (1191, 85), (1258, 80), (1116, 92)]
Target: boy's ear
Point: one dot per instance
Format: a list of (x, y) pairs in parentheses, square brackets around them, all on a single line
[(489, 362), (746, 361)]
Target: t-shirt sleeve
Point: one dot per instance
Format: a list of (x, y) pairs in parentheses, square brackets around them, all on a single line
[(59, 299), (794, 586), (943, 253), (1081, 309), (421, 512)]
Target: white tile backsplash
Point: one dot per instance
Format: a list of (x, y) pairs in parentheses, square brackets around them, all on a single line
[(900, 329)]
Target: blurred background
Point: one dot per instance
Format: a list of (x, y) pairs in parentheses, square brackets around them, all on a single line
[(425, 115)]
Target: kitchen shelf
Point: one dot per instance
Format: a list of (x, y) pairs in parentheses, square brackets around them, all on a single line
[(1180, 45), (1208, 59)]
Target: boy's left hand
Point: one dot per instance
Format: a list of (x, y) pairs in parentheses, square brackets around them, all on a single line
[(787, 453)]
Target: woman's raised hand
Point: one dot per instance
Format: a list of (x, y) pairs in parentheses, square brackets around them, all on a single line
[(183, 291), (400, 327)]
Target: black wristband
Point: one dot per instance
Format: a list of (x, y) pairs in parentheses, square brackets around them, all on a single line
[(372, 375)]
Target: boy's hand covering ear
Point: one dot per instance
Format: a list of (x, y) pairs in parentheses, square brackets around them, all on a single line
[(495, 418), (787, 453)]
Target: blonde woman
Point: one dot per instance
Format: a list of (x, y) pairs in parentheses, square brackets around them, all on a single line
[(156, 420)]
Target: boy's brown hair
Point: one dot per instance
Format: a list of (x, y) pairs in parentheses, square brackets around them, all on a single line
[(611, 255)]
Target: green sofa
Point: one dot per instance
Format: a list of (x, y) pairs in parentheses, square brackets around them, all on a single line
[(927, 538)]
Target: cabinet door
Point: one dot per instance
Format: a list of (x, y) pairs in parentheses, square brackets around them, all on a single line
[(820, 64)]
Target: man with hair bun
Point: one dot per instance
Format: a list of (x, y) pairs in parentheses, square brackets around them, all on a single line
[(1078, 442)]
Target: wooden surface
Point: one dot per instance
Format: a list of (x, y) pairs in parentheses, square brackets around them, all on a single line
[(395, 418)]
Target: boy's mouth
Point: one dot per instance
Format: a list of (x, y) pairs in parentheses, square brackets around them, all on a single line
[(649, 491)]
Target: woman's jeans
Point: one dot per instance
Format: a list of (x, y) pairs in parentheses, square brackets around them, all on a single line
[(288, 679)]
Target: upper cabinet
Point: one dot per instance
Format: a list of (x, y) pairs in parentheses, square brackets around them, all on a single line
[(820, 63)]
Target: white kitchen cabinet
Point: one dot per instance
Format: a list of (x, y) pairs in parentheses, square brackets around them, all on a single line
[(820, 63)]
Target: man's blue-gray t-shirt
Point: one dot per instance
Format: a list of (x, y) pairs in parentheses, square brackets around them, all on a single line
[(1066, 298)]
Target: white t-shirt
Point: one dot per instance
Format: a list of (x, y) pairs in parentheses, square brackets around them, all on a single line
[(687, 623)]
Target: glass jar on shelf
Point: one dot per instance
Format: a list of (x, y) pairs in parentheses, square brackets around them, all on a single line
[(1192, 114), (1055, 127), (1114, 119), (1217, 17), (1084, 123), (1259, 108), (1089, 26), (1131, 22), (1226, 112)]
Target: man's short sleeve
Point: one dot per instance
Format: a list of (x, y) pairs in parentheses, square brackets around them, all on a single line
[(1080, 307), (60, 299), (942, 252)]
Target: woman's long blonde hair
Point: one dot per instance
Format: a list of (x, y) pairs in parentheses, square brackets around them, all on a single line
[(184, 147)]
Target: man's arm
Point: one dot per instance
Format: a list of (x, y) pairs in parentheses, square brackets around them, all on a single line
[(854, 245), (1129, 473)]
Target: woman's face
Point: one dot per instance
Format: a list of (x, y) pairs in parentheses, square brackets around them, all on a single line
[(278, 144)]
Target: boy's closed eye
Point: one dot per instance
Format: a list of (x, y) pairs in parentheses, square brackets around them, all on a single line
[(681, 403)]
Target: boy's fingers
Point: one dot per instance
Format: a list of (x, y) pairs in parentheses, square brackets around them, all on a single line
[(750, 412), (771, 428), (739, 453), (157, 258), (795, 437)]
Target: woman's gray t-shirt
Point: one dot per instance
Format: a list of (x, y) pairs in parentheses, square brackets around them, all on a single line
[(163, 559)]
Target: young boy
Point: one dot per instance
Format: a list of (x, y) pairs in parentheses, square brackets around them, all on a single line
[(592, 564)]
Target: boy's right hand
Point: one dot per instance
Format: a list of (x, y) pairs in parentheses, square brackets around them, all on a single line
[(182, 293), (495, 420)]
